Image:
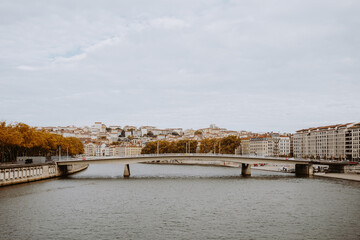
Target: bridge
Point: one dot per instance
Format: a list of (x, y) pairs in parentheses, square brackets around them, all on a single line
[(302, 166)]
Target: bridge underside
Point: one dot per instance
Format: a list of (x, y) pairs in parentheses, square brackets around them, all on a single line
[(304, 170)]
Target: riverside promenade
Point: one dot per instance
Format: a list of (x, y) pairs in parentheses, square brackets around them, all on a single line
[(11, 174), (265, 167), (344, 176)]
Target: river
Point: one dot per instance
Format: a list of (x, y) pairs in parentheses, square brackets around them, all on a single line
[(180, 202)]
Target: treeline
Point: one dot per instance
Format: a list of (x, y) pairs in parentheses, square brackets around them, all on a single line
[(226, 145), (23, 140), (180, 146)]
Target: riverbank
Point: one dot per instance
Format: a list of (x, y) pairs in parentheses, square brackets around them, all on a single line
[(344, 176), (197, 163), (22, 173), (271, 168)]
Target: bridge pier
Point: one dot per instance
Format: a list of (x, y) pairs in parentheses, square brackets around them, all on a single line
[(127, 171), (304, 170), (245, 169)]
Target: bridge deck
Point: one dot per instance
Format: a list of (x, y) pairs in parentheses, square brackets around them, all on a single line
[(199, 157)]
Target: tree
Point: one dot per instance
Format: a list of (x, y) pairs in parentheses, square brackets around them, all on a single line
[(150, 134), (22, 140), (180, 146), (122, 133), (198, 132), (226, 145), (208, 145), (150, 148), (229, 144)]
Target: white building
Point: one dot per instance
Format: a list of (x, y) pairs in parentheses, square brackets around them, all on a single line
[(93, 149), (339, 141), (355, 143), (90, 149), (126, 151), (267, 145)]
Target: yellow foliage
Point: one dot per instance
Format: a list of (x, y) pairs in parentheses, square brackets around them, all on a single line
[(23, 140)]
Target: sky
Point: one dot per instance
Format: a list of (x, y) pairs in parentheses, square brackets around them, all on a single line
[(255, 65)]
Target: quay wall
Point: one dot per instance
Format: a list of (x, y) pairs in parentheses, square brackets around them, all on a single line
[(14, 174), (196, 162)]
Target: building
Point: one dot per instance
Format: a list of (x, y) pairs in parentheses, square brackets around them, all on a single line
[(355, 142), (266, 145), (90, 149), (245, 146), (338, 142), (98, 149), (125, 151), (259, 146)]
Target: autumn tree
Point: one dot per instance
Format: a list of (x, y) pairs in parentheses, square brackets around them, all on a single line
[(22, 140), (180, 146), (208, 145), (229, 144), (226, 145), (198, 132)]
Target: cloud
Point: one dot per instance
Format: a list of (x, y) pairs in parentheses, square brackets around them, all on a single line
[(97, 46), (27, 68), (168, 23)]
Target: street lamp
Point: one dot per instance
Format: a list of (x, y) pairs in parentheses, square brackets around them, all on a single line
[(157, 147), (59, 153), (187, 147)]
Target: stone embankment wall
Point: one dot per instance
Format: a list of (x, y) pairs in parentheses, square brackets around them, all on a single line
[(14, 174), (198, 162), (352, 169)]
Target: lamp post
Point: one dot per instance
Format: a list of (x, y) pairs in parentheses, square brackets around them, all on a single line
[(59, 153)]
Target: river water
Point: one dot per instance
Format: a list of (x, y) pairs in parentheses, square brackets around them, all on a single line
[(180, 202)]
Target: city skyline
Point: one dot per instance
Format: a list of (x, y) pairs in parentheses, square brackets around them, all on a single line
[(253, 65)]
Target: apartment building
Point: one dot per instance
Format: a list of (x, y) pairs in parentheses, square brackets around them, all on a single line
[(339, 142), (283, 147), (266, 145), (125, 151), (245, 146), (355, 143), (261, 146), (89, 149)]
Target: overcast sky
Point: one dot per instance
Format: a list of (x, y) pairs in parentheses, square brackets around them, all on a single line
[(251, 65)]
